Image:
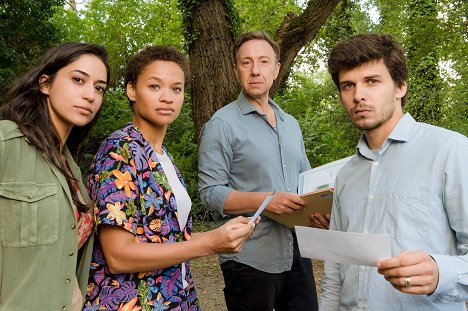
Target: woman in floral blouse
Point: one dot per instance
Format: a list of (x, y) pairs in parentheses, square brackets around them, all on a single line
[(144, 225)]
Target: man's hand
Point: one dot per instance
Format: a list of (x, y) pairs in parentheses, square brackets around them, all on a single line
[(320, 221), (411, 272), (285, 203)]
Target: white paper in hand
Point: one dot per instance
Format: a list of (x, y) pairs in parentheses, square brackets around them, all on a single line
[(261, 208), (343, 247)]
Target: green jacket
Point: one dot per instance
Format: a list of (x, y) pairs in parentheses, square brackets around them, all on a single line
[(38, 234)]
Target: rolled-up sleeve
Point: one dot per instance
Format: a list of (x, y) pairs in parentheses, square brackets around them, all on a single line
[(214, 166), (453, 270)]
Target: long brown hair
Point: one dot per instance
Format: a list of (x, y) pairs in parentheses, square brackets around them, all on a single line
[(27, 106)]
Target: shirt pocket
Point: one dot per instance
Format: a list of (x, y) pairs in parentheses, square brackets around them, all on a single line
[(29, 214)]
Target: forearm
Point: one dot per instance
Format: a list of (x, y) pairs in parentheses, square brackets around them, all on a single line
[(141, 257), (243, 202)]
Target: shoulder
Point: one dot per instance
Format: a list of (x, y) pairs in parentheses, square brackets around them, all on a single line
[(222, 120), (438, 137), (9, 130), (227, 112), (439, 132), (126, 138)]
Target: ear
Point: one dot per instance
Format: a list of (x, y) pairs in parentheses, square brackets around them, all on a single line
[(401, 90), (234, 67), (43, 85), (131, 91), (277, 69)]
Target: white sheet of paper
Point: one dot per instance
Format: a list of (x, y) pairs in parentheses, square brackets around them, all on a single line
[(320, 177), (343, 247)]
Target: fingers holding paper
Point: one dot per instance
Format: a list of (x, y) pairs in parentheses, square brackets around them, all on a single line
[(411, 272), (320, 221), (230, 237), (285, 203)]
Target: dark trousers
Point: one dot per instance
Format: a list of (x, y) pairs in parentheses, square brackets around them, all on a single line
[(247, 288)]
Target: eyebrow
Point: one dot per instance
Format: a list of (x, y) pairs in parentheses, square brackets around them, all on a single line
[(160, 79), (372, 76), (87, 75)]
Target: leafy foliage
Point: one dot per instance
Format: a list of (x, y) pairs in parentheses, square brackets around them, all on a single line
[(328, 134), (25, 33), (123, 27)]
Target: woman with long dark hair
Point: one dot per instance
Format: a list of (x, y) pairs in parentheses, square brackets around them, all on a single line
[(45, 220)]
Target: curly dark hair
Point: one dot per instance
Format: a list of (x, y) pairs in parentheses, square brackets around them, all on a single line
[(150, 54), (369, 47), (27, 106)]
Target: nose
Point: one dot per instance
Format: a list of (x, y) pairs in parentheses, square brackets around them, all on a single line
[(255, 70), (166, 95), (90, 93), (359, 94)]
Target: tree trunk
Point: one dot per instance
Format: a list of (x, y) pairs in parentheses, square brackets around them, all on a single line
[(210, 48), (213, 80), (297, 31)]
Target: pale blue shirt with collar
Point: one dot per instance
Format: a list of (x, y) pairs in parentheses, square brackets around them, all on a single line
[(416, 189), (240, 150)]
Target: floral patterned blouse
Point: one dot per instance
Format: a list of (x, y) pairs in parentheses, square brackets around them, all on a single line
[(131, 191)]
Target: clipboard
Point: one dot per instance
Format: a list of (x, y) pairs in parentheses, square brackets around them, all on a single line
[(317, 201)]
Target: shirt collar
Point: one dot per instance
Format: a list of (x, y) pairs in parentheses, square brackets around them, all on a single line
[(246, 106), (401, 132)]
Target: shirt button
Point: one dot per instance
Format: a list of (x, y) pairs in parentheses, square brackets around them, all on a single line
[(284, 165), (289, 189), (376, 163), (73, 226), (363, 268), (290, 250), (370, 197), (290, 244), (30, 196), (64, 308), (361, 305), (67, 281), (71, 253)]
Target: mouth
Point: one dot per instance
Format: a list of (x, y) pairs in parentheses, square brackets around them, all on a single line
[(362, 111), (84, 110), (165, 111)]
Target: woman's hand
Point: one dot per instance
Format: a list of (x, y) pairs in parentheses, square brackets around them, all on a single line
[(230, 237)]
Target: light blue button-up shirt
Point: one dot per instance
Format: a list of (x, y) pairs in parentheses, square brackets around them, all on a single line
[(240, 150), (416, 189)]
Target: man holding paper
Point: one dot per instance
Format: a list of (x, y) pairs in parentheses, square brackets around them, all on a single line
[(408, 179), (249, 149)]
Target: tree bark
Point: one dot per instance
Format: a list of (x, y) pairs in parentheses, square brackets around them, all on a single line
[(213, 80), (297, 31), (214, 83)]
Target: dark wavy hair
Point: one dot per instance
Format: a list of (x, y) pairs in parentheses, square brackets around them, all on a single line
[(369, 47), (27, 106), (139, 61)]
